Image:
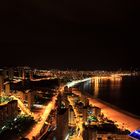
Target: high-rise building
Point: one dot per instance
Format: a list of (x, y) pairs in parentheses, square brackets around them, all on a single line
[(66, 89), (8, 111), (111, 136), (1, 85), (22, 96), (83, 98), (89, 133), (12, 108), (62, 124), (96, 111), (31, 75), (71, 116), (85, 113), (61, 120), (65, 100), (11, 73), (59, 100), (30, 99), (70, 89), (7, 88), (87, 102), (23, 74)]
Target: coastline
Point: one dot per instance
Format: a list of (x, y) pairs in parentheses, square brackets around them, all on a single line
[(123, 118), (114, 107), (118, 109)]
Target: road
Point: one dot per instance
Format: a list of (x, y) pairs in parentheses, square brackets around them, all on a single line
[(23, 107), (37, 128), (79, 122), (41, 79)]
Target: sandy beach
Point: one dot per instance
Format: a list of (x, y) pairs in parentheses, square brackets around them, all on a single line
[(123, 119)]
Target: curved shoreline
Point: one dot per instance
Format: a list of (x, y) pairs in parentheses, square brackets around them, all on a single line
[(119, 109), (115, 107), (122, 118)]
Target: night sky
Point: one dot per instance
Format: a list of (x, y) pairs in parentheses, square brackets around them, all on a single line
[(73, 34)]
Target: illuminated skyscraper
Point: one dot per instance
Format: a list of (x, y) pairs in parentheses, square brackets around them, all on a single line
[(86, 102), (8, 111), (62, 124), (11, 73), (89, 133), (30, 99), (65, 100), (1, 85), (66, 89), (22, 96), (19, 72), (61, 120), (7, 88), (71, 116), (59, 100), (31, 75), (85, 113), (23, 74), (96, 111)]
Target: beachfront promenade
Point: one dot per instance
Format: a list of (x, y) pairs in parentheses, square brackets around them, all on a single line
[(122, 119)]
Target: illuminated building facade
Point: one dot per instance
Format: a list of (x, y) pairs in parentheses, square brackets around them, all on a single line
[(1, 86), (61, 120), (86, 102), (66, 89), (22, 95), (96, 111), (62, 124), (71, 116), (31, 75), (8, 111), (85, 114), (23, 74), (111, 136), (7, 88), (30, 99), (89, 134), (11, 73)]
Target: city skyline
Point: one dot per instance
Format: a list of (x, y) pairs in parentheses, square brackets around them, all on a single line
[(69, 70), (72, 105)]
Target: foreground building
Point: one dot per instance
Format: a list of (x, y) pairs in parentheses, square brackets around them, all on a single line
[(62, 124), (61, 119), (92, 134), (8, 111)]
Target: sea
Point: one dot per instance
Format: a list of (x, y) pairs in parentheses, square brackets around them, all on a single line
[(121, 92)]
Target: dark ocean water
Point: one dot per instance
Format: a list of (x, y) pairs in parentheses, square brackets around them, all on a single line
[(123, 93)]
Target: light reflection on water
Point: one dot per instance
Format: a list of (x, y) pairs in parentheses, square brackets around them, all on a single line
[(102, 82), (123, 92)]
